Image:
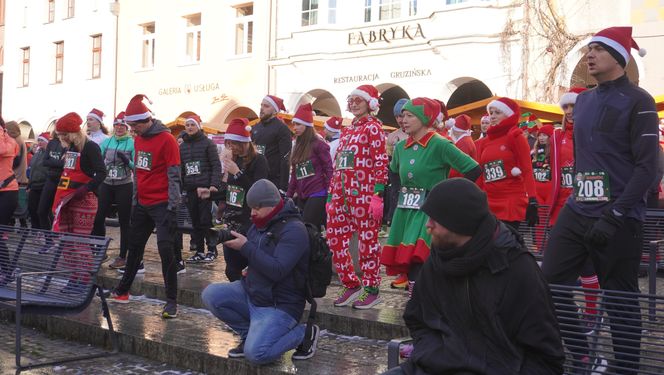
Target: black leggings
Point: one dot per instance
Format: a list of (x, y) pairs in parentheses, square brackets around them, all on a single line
[(313, 211), (34, 195), (8, 203), (44, 209), (120, 195)]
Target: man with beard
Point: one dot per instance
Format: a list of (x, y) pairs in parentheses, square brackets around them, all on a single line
[(502, 320), (273, 140)]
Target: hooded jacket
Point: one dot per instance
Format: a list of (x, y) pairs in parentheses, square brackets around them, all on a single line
[(38, 171), (200, 164), (502, 319), (53, 159), (278, 258), (157, 164), (110, 148)]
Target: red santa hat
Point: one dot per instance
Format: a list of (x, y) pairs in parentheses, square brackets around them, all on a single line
[(304, 115), (443, 116), (370, 94), (619, 42), (276, 102), (195, 119), (136, 110), (547, 129), (97, 115), (238, 130), (333, 124), (462, 123), (45, 136), (485, 118), (69, 123), (505, 105), (120, 119), (570, 96)]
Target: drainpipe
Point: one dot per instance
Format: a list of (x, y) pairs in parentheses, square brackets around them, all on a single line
[(115, 10)]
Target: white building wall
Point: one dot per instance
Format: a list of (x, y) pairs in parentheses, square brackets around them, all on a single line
[(43, 101)]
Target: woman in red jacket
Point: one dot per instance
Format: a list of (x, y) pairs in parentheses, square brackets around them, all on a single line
[(508, 172), (541, 159)]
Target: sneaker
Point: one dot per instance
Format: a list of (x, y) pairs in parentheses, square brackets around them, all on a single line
[(118, 298), (347, 296), (237, 352), (307, 352), (401, 282), (181, 267), (591, 366), (170, 310), (368, 299), (141, 269), (210, 257), (197, 258), (591, 323), (118, 263), (384, 232)]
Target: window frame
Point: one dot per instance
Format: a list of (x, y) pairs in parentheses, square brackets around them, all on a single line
[(71, 8), (310, 11), (192, 52), (372, 10), (148, 44), (59, 61), (247, 22), (50, 16), (96, 52), (25, 67)]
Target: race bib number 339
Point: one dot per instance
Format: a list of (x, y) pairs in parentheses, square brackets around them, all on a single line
[(592, 187), (494, 171), (144, 160)]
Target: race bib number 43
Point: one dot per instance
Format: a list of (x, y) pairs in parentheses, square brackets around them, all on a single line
[(592, 187), (144, 160), (411, 198), (494, 171), (116, 172)]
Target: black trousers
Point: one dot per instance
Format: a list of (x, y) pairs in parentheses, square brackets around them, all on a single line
[(34, 195), (200, 211), (392, 196), (8, 203), (313, 210), (617, 267), (143, 220), (44, 209), (121, 196)]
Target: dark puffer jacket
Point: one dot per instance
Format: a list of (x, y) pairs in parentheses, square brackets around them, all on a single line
[(200, 162), (53, 159)]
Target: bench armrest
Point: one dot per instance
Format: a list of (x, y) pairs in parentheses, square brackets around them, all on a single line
[(22, 274), (393, 351)]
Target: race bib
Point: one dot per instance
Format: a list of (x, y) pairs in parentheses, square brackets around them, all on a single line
[(542, 174), (235, 196), (494, 171), (260, 149), (567, 177), (116, 172), (70, 159), (144, 160), (592, 187), (54, 154), (192, 168), (345, 160), (411, 198), (304, 170)]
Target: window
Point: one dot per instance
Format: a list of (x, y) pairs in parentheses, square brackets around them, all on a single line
[(192, 48), (332, 11), (244, 28), (59, 60), (96, 56), (390, 9), (25, 15), (25, 66), (147, 45), (309, 12), (2, 12), (51, 11), (367, 10), (70, 8)]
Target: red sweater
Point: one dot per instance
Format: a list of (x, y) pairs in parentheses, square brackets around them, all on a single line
[(562, 163), (508, 173), (466, 145), (153, 156)]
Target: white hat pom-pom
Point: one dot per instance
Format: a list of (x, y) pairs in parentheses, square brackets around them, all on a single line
[(642, 52), (247, 128), (450, 123), (516, 171)]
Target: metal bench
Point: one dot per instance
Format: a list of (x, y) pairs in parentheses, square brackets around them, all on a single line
[(49, 273), (590, 341)]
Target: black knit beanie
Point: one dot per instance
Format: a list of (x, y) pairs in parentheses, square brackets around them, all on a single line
[(458, 205), (615, 54)]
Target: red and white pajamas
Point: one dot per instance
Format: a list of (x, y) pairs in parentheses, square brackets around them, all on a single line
[(350, 192)]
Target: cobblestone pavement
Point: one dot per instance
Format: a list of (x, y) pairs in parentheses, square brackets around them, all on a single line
[(39, 347)]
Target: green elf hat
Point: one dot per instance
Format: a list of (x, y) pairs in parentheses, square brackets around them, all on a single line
[(425, 109)]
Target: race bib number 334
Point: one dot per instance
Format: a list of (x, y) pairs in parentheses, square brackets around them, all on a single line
[(592, 187)]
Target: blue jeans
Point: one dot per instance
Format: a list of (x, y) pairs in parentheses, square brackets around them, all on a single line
[(267, 332)]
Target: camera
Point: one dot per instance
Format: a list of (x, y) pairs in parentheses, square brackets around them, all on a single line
[(225, 235)]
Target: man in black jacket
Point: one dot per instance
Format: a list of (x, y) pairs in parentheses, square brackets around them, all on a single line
[(54, 162), (480, 304), (201, 170), (273, 139)]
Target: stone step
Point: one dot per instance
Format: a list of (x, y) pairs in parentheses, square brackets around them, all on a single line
[(198, 341), (383, 321)]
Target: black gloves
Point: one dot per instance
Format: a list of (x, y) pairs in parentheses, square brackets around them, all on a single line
[(604, 229), (123, 158), (532, 216)]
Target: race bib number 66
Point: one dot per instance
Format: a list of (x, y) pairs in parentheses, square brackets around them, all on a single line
[(144, 160)]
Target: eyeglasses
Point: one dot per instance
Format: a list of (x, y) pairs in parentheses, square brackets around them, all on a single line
[(355, 100)]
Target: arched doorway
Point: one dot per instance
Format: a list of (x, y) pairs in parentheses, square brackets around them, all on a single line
[(389, 94), (26, 130), (233, 109), (241, 112), (580, 76), (468, 90), (322, 101)]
